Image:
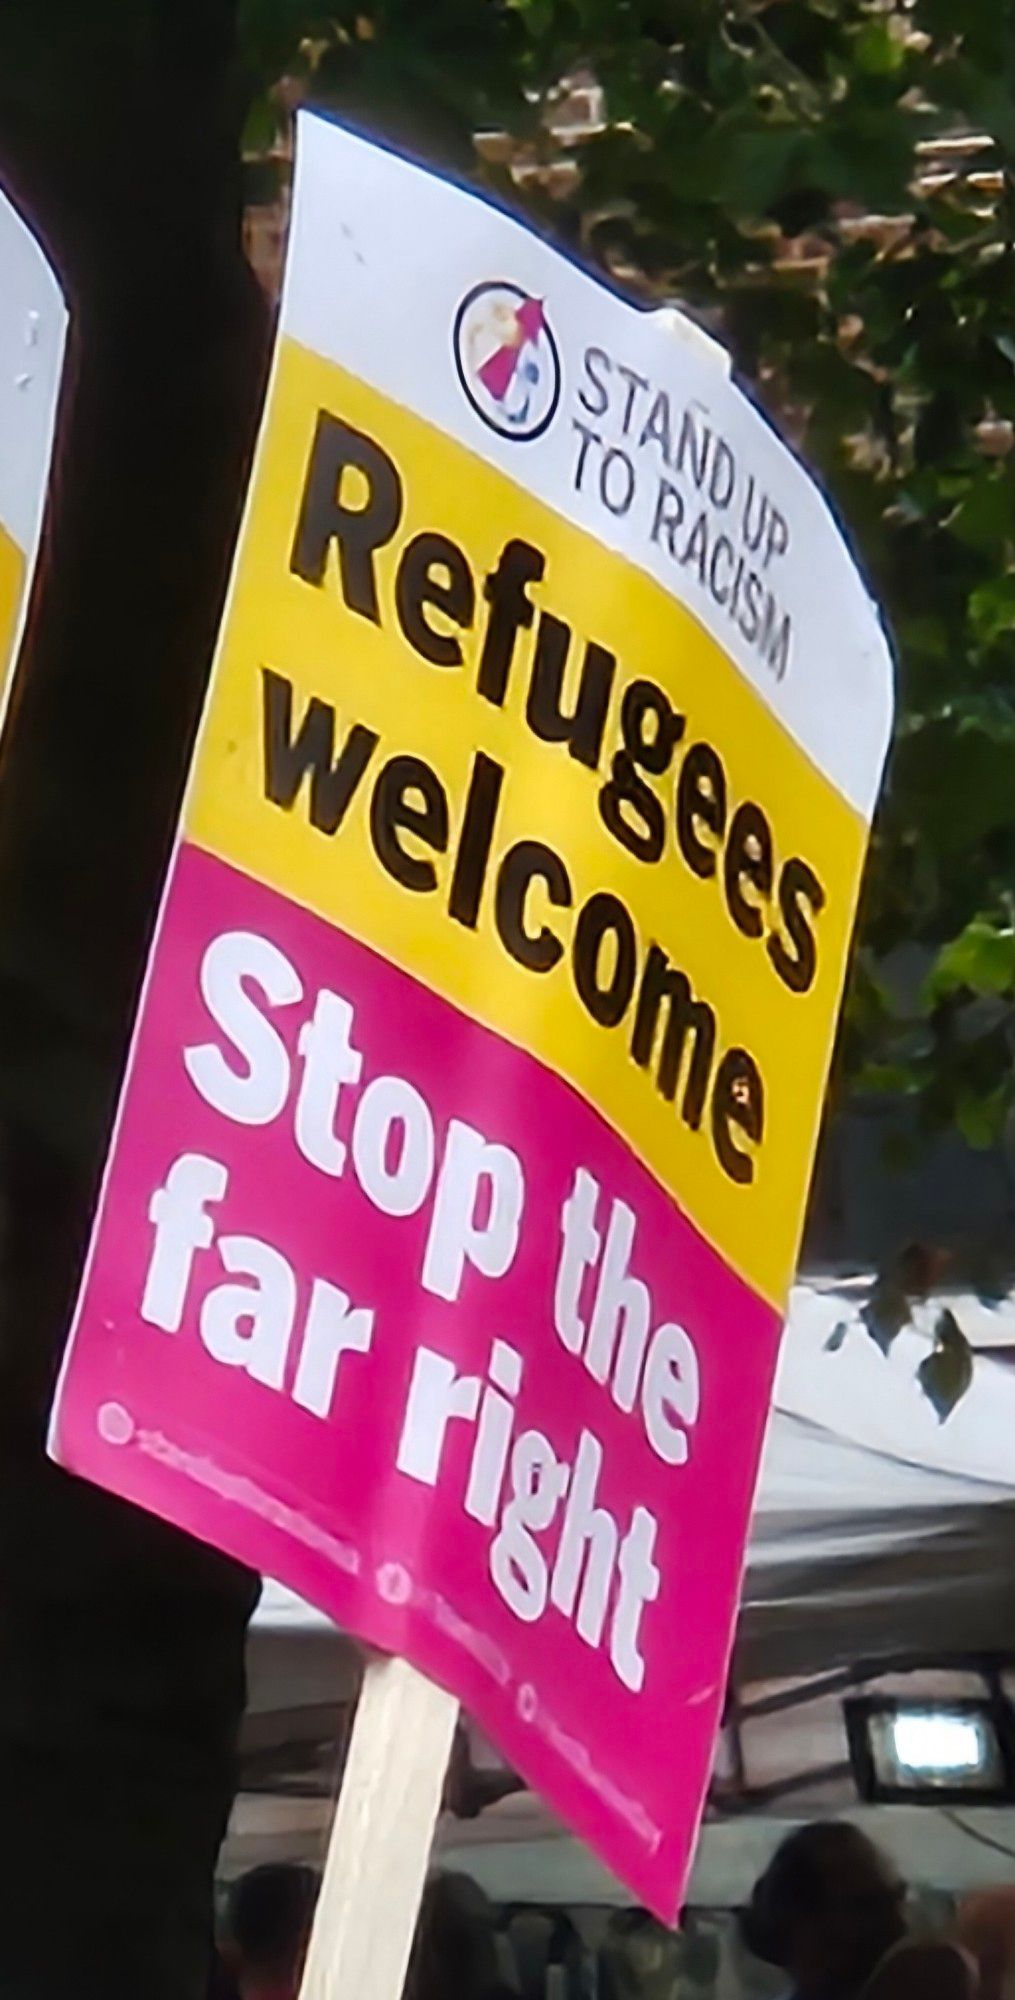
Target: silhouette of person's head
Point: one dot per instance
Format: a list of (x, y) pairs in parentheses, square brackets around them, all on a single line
[(826, 1910), (455, 1948), (270, 1913), (925, 1971)]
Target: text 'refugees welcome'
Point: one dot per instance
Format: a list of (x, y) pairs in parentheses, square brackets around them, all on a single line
[(660, 790)]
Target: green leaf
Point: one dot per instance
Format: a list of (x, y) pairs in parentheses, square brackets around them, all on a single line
[(947, 1372), (261, 129), (753, 168), (992, 609), (981, 958), (537, 14), (889, 1079), (987, 513), (877, 51), (886, 1312), (981, 1117)]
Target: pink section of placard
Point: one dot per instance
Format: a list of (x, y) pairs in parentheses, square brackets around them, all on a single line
[(316, 1499)]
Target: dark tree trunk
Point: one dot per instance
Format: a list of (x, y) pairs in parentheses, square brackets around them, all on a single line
[(121, 1643)]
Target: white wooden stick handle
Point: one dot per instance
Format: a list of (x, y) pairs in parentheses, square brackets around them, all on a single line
[(380, 1841)]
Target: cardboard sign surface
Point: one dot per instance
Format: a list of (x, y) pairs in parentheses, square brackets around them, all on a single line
[(460, 1167)]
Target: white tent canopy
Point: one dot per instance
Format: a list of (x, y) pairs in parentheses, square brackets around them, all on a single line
[(877, 1529)]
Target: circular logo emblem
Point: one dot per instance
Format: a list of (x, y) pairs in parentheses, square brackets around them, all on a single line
[(115, 1424), (507, 360), (394, 1584), (527, 1703)]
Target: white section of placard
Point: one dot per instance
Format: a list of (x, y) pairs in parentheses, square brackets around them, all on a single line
[(33, 329), (628, 430)]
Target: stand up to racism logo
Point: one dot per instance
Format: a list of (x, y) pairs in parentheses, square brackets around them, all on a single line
[(507, 360)]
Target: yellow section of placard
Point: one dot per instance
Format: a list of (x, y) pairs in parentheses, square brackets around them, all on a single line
[(496, 844), (12, 586)]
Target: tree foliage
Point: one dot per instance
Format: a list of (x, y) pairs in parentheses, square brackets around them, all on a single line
[(788, 170)]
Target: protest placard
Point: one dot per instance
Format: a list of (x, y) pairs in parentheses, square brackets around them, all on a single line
[(458, 1176), (33, 329)]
